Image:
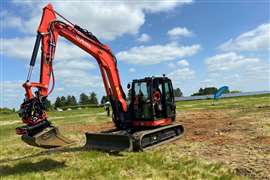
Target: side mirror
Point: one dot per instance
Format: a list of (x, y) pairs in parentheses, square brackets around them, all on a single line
[(128, 86)]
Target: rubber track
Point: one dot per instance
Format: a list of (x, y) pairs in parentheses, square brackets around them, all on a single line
[(148, 139)]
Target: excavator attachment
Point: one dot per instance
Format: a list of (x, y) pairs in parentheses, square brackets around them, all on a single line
[(47, 138), (109, 141), (43, 135)]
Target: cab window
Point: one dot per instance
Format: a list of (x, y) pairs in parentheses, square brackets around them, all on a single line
[(141, 102), (168, 93)]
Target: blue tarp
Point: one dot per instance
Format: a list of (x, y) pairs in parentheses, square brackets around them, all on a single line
[(220, 91)]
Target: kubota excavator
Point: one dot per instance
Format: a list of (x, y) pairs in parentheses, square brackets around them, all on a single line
[(147, 121)]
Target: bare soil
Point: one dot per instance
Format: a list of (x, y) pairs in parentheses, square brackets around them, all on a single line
[(228, 137), (88, 128)]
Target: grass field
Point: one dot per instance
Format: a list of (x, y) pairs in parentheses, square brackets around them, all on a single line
[(226, 140)]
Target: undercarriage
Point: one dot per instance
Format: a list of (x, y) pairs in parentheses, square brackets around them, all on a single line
[(113, 140)]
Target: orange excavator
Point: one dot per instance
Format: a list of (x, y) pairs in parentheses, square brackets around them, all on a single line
[(147, 121)]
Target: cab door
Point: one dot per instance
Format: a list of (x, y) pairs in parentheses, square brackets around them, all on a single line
[(169, 100)]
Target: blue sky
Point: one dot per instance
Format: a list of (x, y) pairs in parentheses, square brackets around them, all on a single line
[(195, 43)]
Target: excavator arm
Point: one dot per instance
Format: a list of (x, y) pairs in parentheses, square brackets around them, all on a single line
[(32, 110)]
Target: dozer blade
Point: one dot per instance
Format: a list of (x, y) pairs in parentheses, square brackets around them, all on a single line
[(50, 137), (113, 142)]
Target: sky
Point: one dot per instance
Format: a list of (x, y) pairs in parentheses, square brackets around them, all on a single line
[(196, 43)]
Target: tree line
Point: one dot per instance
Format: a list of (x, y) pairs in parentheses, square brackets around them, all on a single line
[(91, 99), (71, 100), (208, 91), (212, 90), (203, 91), (84, 99)]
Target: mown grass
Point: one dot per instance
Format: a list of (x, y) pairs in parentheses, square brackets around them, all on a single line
[(20, 161), (226, 103), (77, 164)]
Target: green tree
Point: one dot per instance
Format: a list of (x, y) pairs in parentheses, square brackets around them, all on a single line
[(58, 103), (201, 91), (63, 101), (71, 101), (93, 98), (210, 90), (68, 102), (235, 91), (74, 101), (104, 99), (6, 111), (205, 91), (83, 99), (177, 92)]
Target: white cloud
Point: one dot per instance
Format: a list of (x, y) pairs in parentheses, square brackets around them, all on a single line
[(144, 38), (179, 32), (256, 39), (21, 48), (171, 65), (106, 19), (75, 73), (182, 74), (183, 78), (229, 61), (157, 53), (11, 90), (132, 70), (75, 64), (71, 64), (11, 21), (238, 71), (77, 78), (17, 47), (183, 62)]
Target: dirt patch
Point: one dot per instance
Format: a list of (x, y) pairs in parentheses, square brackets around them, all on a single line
[(262, 139), (212, 126), (88, 128), (226, 137)]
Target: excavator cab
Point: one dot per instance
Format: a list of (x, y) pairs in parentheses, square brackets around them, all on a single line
[(152, 102), (150, 117)]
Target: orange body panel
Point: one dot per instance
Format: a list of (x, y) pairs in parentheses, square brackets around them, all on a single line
[(153, 123)]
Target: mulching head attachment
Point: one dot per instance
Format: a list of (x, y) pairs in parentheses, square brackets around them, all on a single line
[(113, 142), (47, 138), (43, 135)]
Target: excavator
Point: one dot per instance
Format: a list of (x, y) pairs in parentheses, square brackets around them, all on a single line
[(148, 120)]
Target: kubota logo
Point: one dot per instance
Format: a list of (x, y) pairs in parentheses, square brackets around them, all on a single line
[(83, 42)]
